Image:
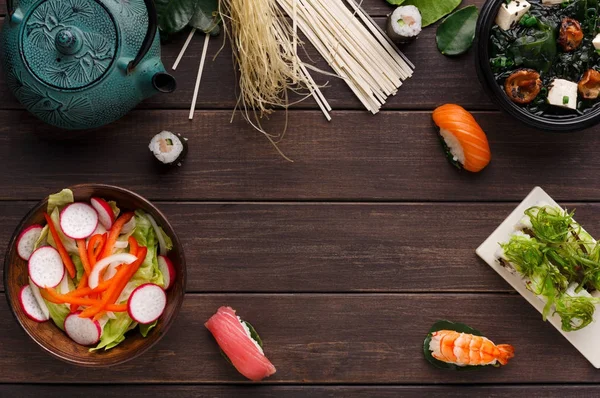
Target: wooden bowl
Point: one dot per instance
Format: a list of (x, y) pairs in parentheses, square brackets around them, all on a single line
[(50, 337)]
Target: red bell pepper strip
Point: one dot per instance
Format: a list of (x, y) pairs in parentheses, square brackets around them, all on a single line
[(114, 233), (82, 284), (84, 256), (60, 247), (119, 281), (56, 298), (133, 246), (92, 252)]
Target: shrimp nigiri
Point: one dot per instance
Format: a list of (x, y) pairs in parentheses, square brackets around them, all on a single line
[(464, 138), (465, 349)]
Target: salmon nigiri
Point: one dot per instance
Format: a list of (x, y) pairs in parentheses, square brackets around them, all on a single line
[(464, 349), (235, 339), (464, 138)]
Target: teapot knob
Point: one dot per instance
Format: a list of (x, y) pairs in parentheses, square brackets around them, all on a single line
[(68, 41)]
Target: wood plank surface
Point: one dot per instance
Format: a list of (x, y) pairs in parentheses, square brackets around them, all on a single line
[(271, 391), (395, 156), (342, 260), (454, 76), (325, 338), (333, 247)]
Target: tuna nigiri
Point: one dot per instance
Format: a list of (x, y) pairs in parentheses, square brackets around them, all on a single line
[(465, 140), (464, 349), (235, 339)]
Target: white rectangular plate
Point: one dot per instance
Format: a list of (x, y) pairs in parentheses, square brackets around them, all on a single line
[(586, 340)]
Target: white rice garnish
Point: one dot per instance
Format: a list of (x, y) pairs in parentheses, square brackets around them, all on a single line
[(454, 146), (250, 335), (174, 151), (411, 21)]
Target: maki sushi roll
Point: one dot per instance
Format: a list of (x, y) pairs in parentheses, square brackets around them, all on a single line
[(168, 148), (404, 24)]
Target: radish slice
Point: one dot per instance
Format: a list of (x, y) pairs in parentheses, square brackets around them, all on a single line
[(147, 303), (129, 226), (30, 305), (46, 267), (83, 331), (168, 271), (161, 239), (121, 258), (106, 216), (78, 220), (38, 298), (26, 241)]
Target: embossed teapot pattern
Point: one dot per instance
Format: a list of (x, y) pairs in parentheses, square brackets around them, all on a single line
[(80, 64)]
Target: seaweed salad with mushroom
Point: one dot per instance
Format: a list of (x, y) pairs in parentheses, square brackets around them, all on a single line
[(545, 55)]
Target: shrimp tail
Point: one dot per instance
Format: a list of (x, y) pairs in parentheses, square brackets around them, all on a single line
[(506, 352)]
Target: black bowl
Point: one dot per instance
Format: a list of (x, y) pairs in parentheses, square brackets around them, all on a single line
[(558, 123)]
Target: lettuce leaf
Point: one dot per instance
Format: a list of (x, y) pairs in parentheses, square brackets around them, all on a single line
[(144, 233), (114, 331), (145, 236), (114, 207), (145, 329), (60, 199), (58, 313), (78, 268)]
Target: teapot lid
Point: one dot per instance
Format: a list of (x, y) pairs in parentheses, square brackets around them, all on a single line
[(69, 44)]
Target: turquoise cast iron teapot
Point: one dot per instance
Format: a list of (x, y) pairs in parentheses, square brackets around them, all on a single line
[(80, 64)]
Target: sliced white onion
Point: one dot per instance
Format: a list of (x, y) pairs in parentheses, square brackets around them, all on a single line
[(121, 244), (64, 285), (121, 258), (129, 226), (111, 270)]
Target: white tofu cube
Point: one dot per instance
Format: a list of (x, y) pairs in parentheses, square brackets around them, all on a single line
[(510, 14), (553, 2), (596, 42), (563, 93)]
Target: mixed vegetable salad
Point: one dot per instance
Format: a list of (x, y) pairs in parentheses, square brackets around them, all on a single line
[(559, 261), (96, 271), (545, 55)]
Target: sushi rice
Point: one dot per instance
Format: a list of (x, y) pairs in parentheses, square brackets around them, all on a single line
[(247, 329), (168, 148), (404, 24), (454, 146)]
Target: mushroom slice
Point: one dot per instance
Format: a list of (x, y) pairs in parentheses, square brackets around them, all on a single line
[(571, 34), (523, 86), (589, 85)]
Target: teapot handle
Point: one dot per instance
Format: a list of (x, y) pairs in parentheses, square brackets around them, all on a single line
[(150, 34)]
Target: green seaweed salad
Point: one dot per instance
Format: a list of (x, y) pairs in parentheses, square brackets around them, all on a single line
[(533, 43), (559, 262)]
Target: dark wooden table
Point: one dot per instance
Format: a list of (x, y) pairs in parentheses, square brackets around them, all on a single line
[(342, 260)]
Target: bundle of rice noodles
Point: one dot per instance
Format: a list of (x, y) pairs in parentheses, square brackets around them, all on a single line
[(265, 52)]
